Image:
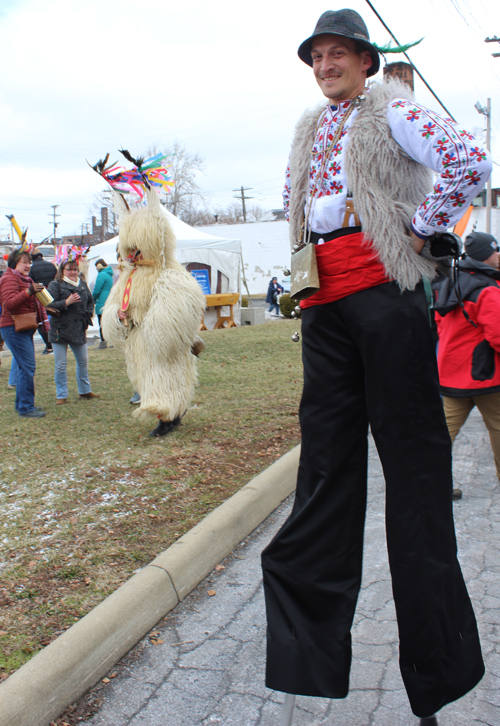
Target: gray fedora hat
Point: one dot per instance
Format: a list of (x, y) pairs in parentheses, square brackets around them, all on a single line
[(344, 22)]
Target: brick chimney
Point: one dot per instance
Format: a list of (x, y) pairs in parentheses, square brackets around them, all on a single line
[(401, 70)]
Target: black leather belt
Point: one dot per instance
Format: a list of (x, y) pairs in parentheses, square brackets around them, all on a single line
[(327, 236)]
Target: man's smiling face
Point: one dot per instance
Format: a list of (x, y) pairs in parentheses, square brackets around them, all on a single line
[(339, 70)]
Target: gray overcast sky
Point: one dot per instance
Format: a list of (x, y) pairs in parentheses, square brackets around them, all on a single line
[(84, 78)]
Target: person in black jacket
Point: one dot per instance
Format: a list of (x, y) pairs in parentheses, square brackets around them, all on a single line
[(74, 306), (44, 272), (273, 291)]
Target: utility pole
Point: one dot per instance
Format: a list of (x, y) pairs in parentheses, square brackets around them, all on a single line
[(493, 40), (54, 215), (243, 198), (487, 112)]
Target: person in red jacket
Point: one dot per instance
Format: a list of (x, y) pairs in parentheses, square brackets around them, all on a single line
[(469, 344), (17, 296)]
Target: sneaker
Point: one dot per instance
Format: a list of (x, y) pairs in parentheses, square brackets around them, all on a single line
[(47, 351), (60, 402), (136, 398), (12, 388), (33, 413), (102, 344)]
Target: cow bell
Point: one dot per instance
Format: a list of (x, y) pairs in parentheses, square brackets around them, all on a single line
[(297, 310), (295, 337)]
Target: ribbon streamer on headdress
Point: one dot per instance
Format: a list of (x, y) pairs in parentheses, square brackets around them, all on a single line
[(145, 174), (70, 253)]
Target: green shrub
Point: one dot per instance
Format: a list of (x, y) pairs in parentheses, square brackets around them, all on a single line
[(244, 301), (287, 305)]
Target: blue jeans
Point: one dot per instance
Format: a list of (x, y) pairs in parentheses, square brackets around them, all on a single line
[(23, 351), (275, 306), (14, 368), (82, 368)]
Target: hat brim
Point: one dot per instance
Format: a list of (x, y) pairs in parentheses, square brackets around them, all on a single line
[(304, 51)]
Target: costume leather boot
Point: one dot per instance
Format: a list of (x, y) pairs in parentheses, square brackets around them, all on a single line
[(431, 721), (164, 427)]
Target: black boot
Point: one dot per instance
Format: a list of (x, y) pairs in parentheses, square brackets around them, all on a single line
[(431, 721), (164, 427)]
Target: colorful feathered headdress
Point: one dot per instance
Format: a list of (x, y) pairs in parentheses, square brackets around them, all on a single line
[(146, 174), (70, 253)]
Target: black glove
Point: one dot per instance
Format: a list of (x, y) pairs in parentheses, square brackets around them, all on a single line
[(446, 244)]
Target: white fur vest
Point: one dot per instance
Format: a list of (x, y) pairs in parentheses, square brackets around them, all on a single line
[(387, 185)]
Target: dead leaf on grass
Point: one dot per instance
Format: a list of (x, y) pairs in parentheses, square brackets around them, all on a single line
[(105, 680), (219, 567), (3, 632)]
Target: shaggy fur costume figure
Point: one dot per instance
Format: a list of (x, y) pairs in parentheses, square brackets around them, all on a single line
[(164, 313)]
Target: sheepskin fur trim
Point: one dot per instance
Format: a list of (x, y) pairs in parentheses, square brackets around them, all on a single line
[(300, 166), (387, 185)]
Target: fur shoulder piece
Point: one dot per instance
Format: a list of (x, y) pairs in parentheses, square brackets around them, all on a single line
[(300, 160), (387, 185)]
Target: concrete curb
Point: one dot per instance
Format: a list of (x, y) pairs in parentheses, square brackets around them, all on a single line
[(61, 673)]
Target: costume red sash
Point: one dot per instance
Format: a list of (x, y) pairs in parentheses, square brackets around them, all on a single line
[(345, 265)]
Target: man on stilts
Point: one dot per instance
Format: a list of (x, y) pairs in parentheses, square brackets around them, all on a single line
[(359, 186)]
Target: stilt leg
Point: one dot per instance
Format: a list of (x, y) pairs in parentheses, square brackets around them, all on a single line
[(431, 721), (287, 710)]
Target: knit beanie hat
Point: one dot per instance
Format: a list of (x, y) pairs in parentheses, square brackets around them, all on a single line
[(480, 245)]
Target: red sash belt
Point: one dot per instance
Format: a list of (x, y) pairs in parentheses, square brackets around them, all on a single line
[(345, 265)]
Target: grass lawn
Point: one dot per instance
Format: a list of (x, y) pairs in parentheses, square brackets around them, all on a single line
[(87, 497)]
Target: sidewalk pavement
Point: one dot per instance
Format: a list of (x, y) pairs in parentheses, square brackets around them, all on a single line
[(205, 664)]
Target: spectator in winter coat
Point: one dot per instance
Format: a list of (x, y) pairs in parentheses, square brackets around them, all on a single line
[(273, 291), (469, 347), (44, 272), (102, 288), (17, 296), (75, 305)]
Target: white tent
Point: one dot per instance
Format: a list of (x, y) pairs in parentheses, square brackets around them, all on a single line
[(195, 250)]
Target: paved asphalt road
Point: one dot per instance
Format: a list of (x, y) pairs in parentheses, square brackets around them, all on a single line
[(209, 669)]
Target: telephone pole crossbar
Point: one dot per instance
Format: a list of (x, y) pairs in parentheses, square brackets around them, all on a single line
[(493, 40), (243, 198)]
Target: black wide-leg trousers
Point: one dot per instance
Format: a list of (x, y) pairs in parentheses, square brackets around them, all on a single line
[(369, 359)]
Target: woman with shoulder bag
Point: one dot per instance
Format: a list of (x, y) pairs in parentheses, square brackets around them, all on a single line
[(21, 315), (73, 305)]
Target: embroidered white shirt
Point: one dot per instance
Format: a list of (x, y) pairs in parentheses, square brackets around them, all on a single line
[(461, 164)]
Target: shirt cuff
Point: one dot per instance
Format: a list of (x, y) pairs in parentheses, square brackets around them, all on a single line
[(419, 234)]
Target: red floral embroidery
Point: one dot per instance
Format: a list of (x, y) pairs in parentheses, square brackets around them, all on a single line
[(442, 219)]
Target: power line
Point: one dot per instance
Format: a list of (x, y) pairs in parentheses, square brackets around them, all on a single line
[(411, 62)]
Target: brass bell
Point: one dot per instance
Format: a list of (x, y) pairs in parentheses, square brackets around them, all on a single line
[(297, 310), (295, 337), (286, 272)]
